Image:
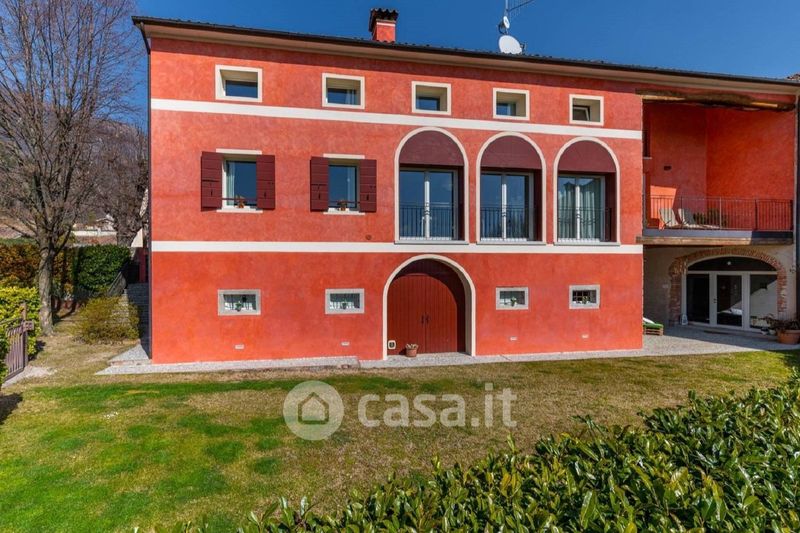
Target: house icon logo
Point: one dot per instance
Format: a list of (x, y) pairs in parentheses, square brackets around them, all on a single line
[(313, 410)]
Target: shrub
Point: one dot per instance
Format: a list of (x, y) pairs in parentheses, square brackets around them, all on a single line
[(107, 319), (19, 262), (11, 300), (717, 464), (97, 266)]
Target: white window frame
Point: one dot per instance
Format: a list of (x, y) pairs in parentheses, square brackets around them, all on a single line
[(575, 99), (499, 305), (573, 288), (223, 72), (526, 94), (433, 85), (221, 302), (578, 238), (329, 311), (504, 207), (362, 98), (427, 206), (235, 155)]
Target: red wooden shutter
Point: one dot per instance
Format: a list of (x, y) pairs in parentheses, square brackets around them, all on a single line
[(368, 186), (319, 184), (211, 180), (265, 182)]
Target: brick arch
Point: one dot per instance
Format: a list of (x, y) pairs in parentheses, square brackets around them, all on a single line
[(680, 266)]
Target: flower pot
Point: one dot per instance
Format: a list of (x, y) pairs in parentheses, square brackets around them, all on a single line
[(411, 352), (789, 336)]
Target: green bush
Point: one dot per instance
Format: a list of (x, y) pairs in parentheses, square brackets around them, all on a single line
[(717, 464), (107, 319), (11, 300), (19, 262), (97, 266)]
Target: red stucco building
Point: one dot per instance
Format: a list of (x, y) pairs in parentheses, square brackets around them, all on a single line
[(317, 196)]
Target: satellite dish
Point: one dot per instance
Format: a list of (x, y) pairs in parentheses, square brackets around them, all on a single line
[(509, 45)]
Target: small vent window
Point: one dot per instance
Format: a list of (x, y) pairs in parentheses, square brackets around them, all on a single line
[(586, 110), (236, 302), (344, 301), (584, 297), (512, 298)]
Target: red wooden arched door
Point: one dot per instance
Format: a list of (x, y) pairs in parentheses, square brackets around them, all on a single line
[(426, 306)]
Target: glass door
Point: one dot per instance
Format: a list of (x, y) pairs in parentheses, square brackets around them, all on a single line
[(428, 205), (698, 298), (729, 300)]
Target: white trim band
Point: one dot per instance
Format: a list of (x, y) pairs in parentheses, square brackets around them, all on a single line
[(387, 247), (191, 106)]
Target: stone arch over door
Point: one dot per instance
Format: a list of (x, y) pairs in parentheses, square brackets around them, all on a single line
[(680, 266)]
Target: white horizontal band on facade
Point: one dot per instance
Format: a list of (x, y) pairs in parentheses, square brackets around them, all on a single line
[(388, 247), (302, 113)]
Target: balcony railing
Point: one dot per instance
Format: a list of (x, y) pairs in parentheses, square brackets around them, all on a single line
[(584, 224), (717, 213), (511, 223), (429, 222)]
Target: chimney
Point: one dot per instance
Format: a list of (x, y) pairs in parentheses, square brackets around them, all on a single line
[(383, 25)]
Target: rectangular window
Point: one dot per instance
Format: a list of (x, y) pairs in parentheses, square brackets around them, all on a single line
[(510, 103), (512, 298), (239, 302), (584, 297), (238, 83), (344, 301), (429, 201), (586, 110), (240, 184), (506, 212), (582, 213), (431, 97), (343, 91), (342, 187)]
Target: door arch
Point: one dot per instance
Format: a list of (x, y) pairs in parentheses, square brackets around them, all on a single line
[(428, 301)]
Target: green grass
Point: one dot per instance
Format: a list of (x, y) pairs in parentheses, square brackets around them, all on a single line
[(86, 453)]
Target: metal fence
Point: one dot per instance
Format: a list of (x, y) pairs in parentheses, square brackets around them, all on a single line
[(508, 223), (584, 224), (17, 339), (433, 221), (717, 213)]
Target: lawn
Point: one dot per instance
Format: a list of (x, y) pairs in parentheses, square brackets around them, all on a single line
[(80, 452)]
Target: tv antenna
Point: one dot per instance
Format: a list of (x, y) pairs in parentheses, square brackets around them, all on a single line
[(509, 44)]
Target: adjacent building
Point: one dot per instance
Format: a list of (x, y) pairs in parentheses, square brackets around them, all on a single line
[(321, 196)]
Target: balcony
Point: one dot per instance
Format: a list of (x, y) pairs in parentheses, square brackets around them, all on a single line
[(506, 223), (429, 222), (716, 220), (584, 224)]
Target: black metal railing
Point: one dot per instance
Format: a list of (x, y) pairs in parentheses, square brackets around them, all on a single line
[(509, 223), (342, 205), (433, 221), (718, 213), (584, 224)]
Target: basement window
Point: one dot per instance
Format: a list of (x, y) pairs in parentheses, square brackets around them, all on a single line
[(343, 91), (431, 97), (586, 110), (512, 298), (584, 297), (344, 301), (238, 302), (238, 83), (510, 103)]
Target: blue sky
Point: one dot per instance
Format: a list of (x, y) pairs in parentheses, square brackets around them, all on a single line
[(752, 37)]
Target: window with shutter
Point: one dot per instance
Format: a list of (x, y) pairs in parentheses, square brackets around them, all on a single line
[(211, 180)]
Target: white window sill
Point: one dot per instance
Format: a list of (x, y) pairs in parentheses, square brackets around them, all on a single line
[(357, 107), (343, 213), (585, 123), (509, 242), (584, 307), (509, 117), (433, 242), (585, 243), (246, 99), (427, 112), (513, 308), (240, 210)]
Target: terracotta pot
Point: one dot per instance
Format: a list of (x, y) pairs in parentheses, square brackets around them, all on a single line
[(789, 336), (411, 352)]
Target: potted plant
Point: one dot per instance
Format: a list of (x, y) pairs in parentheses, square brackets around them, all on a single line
[(240, 201), (411, 350), (342, 204), (788, 330)]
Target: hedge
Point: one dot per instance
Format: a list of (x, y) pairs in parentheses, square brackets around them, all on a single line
[(107, 319), (716, 464), (11, 299), (91, 268)]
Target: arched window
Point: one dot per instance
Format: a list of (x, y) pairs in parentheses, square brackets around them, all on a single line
[(587, 191), (431, 188), (510, 190)]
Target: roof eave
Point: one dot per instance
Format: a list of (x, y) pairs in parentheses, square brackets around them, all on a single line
[(205, 32)]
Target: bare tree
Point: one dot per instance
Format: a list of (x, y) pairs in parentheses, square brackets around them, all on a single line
[(121, 178), (65, 67)]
